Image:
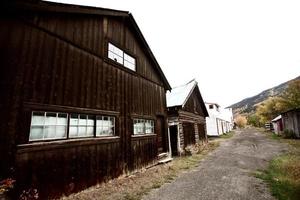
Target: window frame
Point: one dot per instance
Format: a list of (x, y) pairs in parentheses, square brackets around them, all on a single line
[(49, 125), (113, 126), (68, 125), (144, 127), (124, 54)]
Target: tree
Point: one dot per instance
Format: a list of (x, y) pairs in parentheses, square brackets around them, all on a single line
[(274, 106), (290, 98), (268, 109), (253, 120), (241, 121)]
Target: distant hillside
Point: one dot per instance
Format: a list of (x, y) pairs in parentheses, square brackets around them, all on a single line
[(248, 105)]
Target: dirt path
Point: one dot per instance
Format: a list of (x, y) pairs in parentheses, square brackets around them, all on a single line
[(227, 173)]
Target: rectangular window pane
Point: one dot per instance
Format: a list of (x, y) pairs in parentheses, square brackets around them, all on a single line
[(129, 62), (49, 132), (90, 131), (48, 125), (50, 119), (38, 118), (105, 126), (74, 119), (36, 133), (129, 65), (143, 126), (73, 131), (62, 119), (82, 120), (82, 131), (61, 131)]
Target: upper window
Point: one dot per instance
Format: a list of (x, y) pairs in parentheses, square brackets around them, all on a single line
[(48, 125), (211, 106), (143, 126), (121, 57)]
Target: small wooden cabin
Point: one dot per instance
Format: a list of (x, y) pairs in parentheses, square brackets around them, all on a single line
[(186, 117), (291, 121), (277, 125), (82, 96)]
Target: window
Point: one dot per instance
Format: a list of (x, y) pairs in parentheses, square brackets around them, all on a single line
[(105, 126), (211, 106), (52, 125), (48, 125), (120, 57), (81, 125), (142, 126)]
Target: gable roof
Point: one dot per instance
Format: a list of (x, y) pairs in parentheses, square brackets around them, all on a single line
[(180, 95), (44, 6)]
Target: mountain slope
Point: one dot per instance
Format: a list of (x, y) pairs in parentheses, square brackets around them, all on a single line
[(248, 105)]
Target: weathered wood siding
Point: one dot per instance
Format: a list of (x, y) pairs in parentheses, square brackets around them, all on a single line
[(193, 105), (189, 133), (291, 122), (59, 61)]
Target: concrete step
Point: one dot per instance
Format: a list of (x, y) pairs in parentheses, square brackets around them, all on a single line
[(165, 160), (162, 155)]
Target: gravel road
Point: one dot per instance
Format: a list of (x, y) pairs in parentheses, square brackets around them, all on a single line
[(227, 173)]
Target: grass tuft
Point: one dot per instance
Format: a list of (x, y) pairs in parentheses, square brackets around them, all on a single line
[(283, 173)]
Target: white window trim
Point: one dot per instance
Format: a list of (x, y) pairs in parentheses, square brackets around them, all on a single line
[(68, 126), (144, 126)]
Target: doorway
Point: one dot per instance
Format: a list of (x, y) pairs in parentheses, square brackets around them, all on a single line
[(174, 139)]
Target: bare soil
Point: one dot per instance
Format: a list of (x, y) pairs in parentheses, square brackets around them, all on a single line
[(228, 172), (133, 187)]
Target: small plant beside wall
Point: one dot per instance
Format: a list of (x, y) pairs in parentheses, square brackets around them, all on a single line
[(6, 186)]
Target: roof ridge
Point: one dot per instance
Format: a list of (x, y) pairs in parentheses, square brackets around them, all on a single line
[(185, 83)]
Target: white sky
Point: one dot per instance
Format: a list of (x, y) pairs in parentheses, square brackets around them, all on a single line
[(233, 48)]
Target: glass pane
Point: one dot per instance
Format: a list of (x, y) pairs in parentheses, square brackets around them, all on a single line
[(61, 132), (37, 119), (62, 119), (82, 131), (98, 131), (73, 131), (110, 131), (49, 132), (105, 130), (82, 120), (36, 133), (50, 119), (129, 65), (90, 121), (74, 119), (90, 131), (129, 58)]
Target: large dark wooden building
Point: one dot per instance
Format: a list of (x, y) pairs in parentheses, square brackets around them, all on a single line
[(82, 96), (186, 117)]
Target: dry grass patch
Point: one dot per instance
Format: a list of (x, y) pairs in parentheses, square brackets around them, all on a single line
[(283, 173)]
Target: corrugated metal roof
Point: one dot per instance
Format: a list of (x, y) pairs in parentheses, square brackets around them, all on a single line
[(179, 95)]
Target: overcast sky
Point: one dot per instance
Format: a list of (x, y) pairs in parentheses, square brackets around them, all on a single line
[(233, 48)]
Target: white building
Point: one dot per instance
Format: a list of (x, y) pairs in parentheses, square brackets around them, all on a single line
[(220, 120)]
